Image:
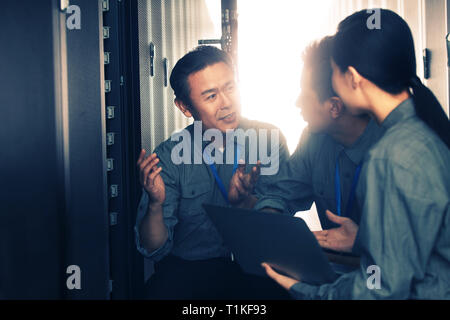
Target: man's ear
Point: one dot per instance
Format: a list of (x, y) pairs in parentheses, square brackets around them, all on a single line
[(183, 107), (336, 107), (355, 77)]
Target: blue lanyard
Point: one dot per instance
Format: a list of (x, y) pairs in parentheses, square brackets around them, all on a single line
[(219, 182), (337, 189)]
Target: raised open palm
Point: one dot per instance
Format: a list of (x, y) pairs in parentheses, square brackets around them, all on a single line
[(150, 178)]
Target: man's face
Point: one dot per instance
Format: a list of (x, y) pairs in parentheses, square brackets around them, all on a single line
[(215, 98), (314, 112)]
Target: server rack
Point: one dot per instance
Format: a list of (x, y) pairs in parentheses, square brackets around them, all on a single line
[(74, 122)]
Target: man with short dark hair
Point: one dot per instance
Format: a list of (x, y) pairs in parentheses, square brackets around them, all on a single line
[(325, 166), (172, 228)]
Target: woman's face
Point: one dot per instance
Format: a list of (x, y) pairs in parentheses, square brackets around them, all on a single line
[(350, 94)]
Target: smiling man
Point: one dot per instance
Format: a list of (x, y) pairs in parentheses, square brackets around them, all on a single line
[(172, 228)]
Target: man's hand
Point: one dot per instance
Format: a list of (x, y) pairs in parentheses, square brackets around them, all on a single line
[(284, 281), (338, 239), (242, 184), (149, 176)]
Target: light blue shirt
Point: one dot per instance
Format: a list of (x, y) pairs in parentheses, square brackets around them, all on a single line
[(191, 234)]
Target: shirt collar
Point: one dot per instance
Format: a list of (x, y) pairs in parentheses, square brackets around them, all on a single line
[(357, 151), (243, 124), (403, 111)]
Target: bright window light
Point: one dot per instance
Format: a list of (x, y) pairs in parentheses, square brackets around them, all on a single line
[(272, 37)]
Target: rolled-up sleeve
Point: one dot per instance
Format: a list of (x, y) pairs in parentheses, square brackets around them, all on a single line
[(342, 288), (170, 176)]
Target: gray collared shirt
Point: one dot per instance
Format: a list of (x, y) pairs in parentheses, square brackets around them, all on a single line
[(309, 175), (404, 233), (191, 234)]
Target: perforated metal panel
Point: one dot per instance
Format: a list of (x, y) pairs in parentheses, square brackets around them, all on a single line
[(149, 25), (174, 27)]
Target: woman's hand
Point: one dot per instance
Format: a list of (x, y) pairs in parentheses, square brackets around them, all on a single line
[(284, 281)]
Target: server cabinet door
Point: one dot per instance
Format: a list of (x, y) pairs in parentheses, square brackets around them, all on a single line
[(86, 228), (435, 40), (31, 157)]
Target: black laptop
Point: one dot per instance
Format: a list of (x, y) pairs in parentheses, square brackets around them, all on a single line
[(283, 241)]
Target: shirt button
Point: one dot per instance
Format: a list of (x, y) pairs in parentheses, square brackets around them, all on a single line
[(193, 192)]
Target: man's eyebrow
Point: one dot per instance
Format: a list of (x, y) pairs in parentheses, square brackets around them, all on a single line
[(208, 91), (215, 89)]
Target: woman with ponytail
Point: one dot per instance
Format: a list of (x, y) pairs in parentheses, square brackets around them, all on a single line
[(404, 186)]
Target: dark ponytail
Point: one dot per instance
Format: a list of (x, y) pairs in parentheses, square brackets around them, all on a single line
[(429, 110), (386, 57)]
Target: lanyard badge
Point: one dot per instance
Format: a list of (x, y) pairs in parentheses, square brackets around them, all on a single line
[(337, 189), (219, 182)]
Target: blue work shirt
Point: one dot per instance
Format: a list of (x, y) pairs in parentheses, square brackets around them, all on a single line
[(191, 234), (309, 175), (404, 192)]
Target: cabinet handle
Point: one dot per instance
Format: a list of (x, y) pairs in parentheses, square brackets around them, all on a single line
[(152, 59), (166, 71)]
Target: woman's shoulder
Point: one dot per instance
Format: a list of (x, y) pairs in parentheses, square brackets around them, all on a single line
[(410, 144)]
